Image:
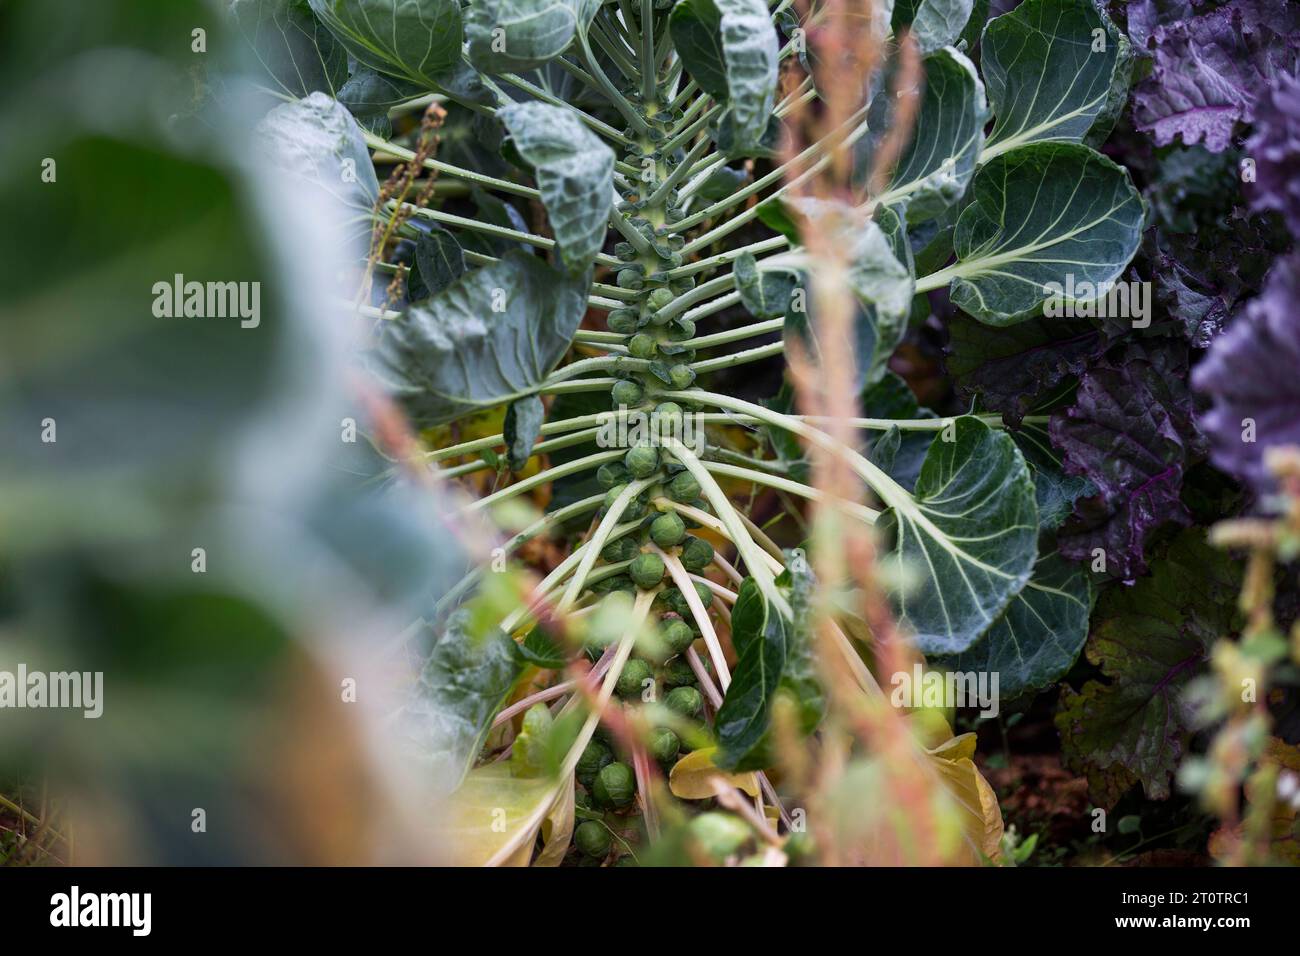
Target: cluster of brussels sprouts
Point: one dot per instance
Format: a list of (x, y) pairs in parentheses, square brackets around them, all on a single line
[(659, 336)]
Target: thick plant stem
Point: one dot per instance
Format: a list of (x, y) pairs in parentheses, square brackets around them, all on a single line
[(888, 489), (604, 129), (736, 530), (858, 511), (382, 146), (601, 535), (542, 477), (559, 516), (699, 612)]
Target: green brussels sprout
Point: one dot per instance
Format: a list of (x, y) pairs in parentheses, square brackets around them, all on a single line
[(592, 838), (611, 473), (636, 509), (697, 553), (612, 495), (667, 530), (635, 673), (659, 298), (672, 599), (630, 278), (625, 251), (642, 346), (705, 592), (627, 393), (681, 376), (622, 321), (677, 672), (683, 487), (664, 745), (615, 785), (647, 570), (624, 549), (668, 412), (641, 461), (678, 635), (683, 330), (720, 835), (686, 701), (615, 582), (594, 757)]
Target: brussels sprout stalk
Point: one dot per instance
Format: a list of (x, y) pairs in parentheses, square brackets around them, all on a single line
[(699, 613)]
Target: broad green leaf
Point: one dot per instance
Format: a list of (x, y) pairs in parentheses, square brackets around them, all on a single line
[(764, 292), (316, 140), (692, 777), (523, 423), (369, 95), (1041, 215), (933, 23), (1055, 70), (510, 36), (1149, 640), (439, 258), (291, 46), (940, 160), (488, 338), (416, 40), (1054, 490), (1039, 636), (966, 537), (460, 688), (575, 174), (759, 636), (730, 49)]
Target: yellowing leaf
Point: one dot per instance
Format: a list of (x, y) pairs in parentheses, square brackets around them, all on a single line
[(558, 828), (487, 811), (981, 815), (692, 777)]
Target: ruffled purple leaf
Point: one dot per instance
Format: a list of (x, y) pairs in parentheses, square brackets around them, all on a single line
[(1211, 70), (1275, 148), (1132, 433), (1252, 373), (1202, 277)]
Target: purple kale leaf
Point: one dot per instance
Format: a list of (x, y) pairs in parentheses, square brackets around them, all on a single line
[(1252, 373), (1211, 70), (1149, 641), (1008, 368), (1131, 432), (1275, 148), (1144, 16), (1202, 277)]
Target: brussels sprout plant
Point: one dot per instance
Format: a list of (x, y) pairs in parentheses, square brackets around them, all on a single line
[(607, 187)]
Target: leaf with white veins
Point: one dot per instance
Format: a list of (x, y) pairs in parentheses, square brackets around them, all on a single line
[(966, 537), (1041, 215)]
